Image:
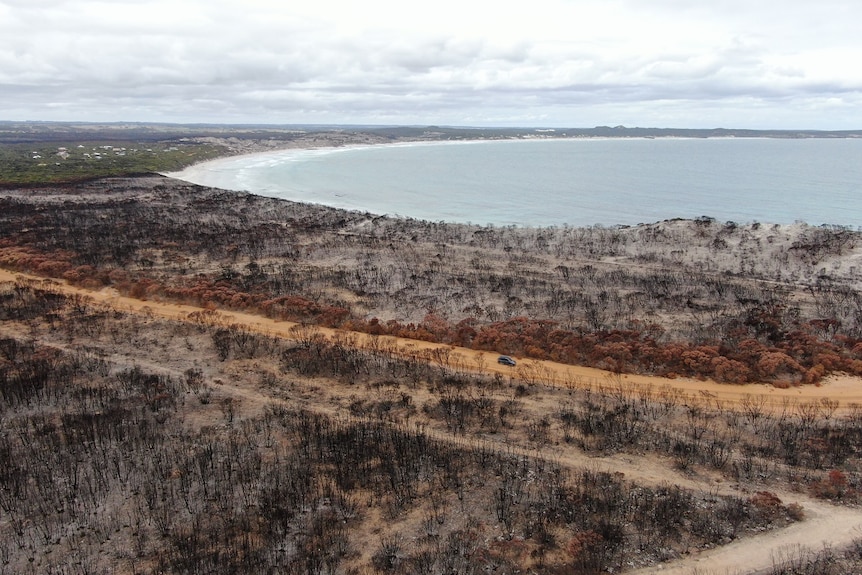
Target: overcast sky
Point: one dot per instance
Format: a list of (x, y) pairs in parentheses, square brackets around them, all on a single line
[(553, 63)]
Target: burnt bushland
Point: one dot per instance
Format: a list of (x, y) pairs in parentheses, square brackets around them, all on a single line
[(735, 303), (105, 465)]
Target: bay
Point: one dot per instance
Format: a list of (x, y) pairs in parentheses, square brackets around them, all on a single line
[(555, 182)]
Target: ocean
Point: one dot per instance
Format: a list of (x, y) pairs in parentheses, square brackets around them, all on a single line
[(574, 182)]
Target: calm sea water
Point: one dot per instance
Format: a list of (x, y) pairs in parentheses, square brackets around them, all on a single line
[(559, 182)]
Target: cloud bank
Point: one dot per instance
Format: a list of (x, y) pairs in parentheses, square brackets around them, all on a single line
[(728, 63)]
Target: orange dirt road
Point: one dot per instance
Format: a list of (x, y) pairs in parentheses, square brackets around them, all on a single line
[(844, 390)]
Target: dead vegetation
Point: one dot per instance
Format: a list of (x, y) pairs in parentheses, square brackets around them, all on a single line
[(132, 443), (311, 456), (729, 302)]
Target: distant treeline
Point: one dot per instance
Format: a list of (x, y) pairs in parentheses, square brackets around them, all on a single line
[(33, 132)]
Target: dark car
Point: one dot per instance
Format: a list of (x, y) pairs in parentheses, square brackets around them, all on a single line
[(506, 360)]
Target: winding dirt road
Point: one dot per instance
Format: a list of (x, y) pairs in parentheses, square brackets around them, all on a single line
[(824, 525), (844, 390)]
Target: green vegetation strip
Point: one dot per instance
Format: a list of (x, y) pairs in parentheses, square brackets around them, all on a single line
[(74, 161)]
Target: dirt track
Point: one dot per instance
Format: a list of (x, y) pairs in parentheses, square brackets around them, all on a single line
[(845, 390), (824, 525)]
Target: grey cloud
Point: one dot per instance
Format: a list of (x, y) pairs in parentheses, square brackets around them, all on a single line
[(184, 60)]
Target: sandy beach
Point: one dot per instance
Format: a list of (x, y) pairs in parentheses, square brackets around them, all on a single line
[(560, 181)]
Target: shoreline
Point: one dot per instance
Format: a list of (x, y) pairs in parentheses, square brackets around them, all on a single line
[(579, 185), (331, 145)]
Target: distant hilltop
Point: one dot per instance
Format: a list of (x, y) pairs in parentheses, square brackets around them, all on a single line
[(622, 131), (24, 132)]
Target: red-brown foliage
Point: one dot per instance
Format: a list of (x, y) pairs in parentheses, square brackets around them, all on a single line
[(28, 260), (759, 348), (834, 486)]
